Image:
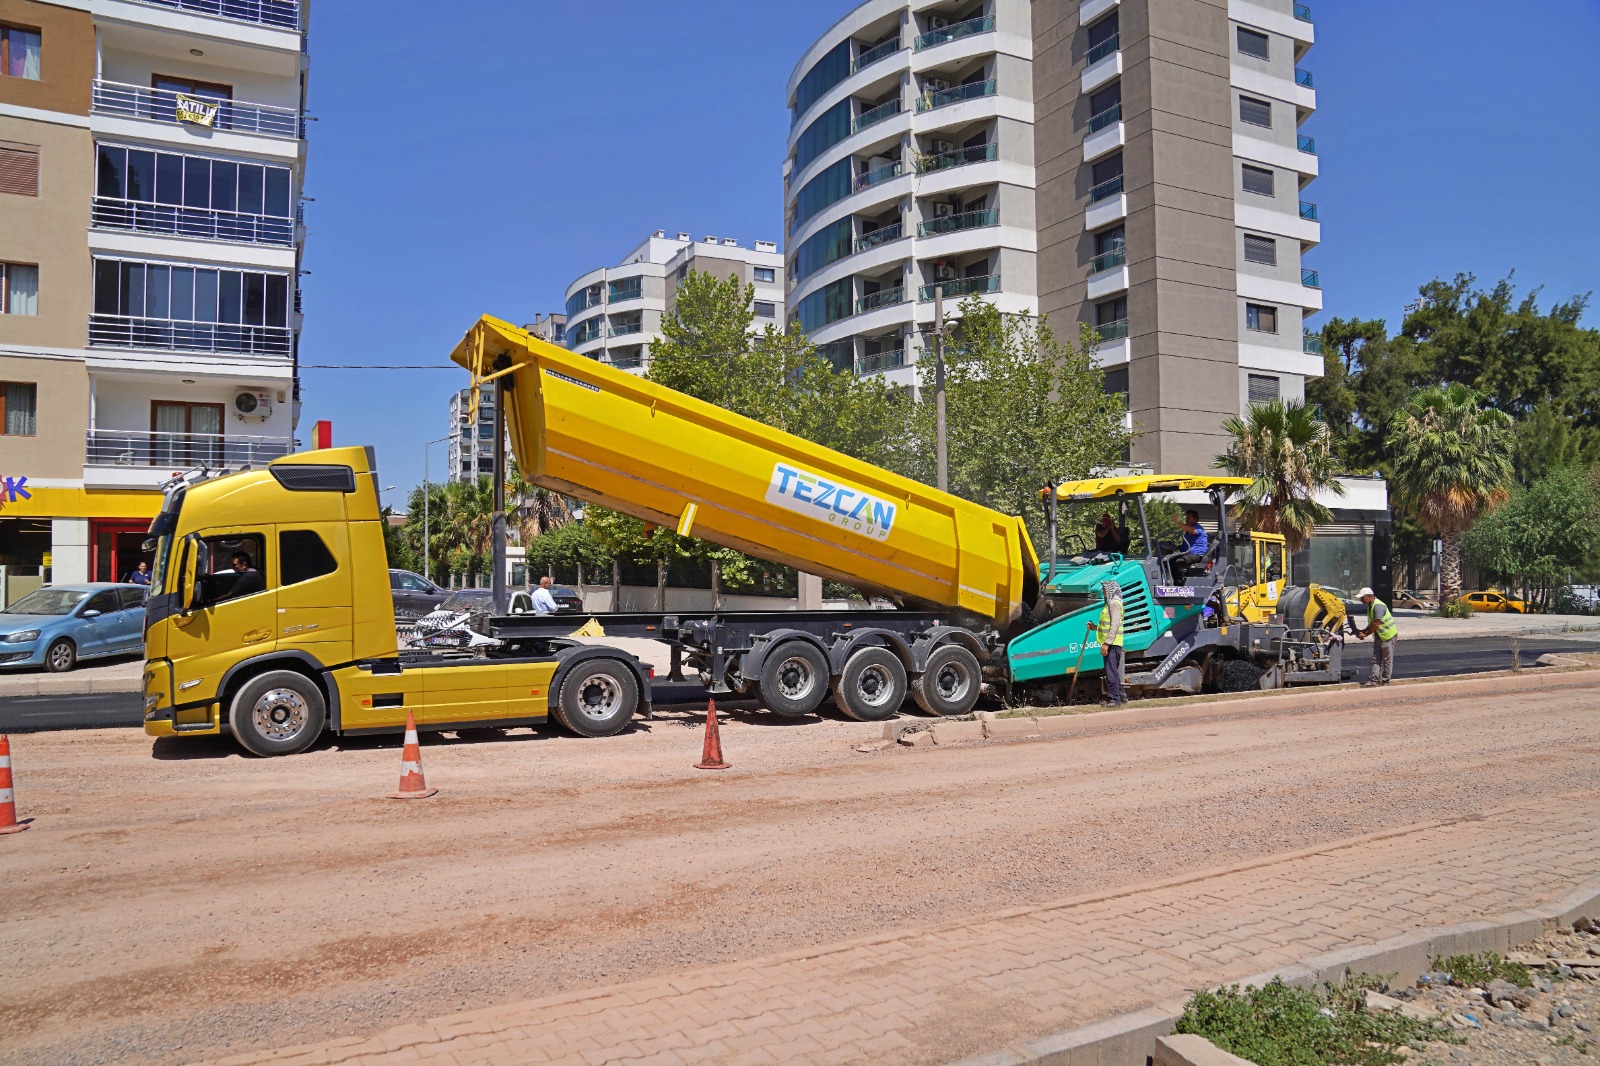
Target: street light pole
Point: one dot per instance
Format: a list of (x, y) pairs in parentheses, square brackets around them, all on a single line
[(426, 486), (941, 445)]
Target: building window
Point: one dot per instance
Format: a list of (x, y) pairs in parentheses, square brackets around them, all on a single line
[(19, 52), (158, 305), (829, 187), (1259, 181), (19, 169), (1254, 44), (1103, 37), (192, 196), (19, 289), (766, 310), (1111, 311), (1255, 112), (828, 304), (831, 127), (767, 275), (1262, 388), (830, 70), (1260, 250), (19, 409), (185, 434), (1261, 318)]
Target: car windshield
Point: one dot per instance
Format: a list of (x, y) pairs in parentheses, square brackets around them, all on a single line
[(465, 600), (49, 601)]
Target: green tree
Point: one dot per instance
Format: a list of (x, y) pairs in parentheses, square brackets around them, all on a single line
[(1546, 533), (1452, 461), (1287, 454), (570, 545)]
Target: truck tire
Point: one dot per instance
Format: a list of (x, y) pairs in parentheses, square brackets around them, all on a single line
[(280, 712), (1241, 675), (597, 698), (950, 684), (872, 685), (794, 679)]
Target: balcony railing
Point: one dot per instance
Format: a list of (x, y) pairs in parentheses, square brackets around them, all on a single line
[(282, 13), (873, 116), (1106, 190), (1109, 117), (875, 53), (880, 236), (1107, 47), (627, 362), (1303, 77), (174, 451), (1308, 211), (592, 298), (1306, 144), (1302, 12), (626, 329), (161, 105), (618, 295), (945, 97), (123, 331), (197, 222), (961, 287), (978, 153), (586, 333), (963, 221), (1111, 260), (956, 32), (873, 177), (1112, 331), (882, 298), (1310, 279), (1311, 344), (878, 362)]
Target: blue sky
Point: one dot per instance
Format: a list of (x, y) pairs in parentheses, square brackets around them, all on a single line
[(482, 168)]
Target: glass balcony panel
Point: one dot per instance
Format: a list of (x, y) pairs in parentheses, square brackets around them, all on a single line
[(1310, 279), (1113, 331), (930, 101), (873, 177), (963, 221), (1307, 145), (880, 236), (1109, 117), (878, 362), (1308, 211), (1105, 48), (1302, 12), (875, 53), (960, 157), (1111, 260), (961, 287), (1303, 77), (876, 115), (1106, 190), (955, 33), (1312, 344), (883, 298)]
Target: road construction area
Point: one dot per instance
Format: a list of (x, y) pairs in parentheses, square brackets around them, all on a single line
[(177, 901)]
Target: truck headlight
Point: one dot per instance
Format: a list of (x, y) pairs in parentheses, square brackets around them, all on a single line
[(22, 637)]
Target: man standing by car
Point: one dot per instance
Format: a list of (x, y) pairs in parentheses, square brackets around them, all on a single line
[(1381, 624), (543, 602)]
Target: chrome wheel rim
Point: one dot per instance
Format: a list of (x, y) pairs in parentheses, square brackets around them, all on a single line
[(280, 714), (952, 683), (599, 697), (61, 656), (874, 686), (796, 678)]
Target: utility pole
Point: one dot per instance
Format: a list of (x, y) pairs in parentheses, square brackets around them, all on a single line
[(941, 445), (497, 583), (426, 486)]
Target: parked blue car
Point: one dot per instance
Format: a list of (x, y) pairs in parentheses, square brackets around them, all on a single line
[(60, 624)]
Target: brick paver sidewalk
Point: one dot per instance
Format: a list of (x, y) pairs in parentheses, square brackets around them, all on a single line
[(936, 995)]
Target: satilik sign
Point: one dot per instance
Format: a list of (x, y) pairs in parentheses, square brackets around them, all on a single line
[(197, 112)]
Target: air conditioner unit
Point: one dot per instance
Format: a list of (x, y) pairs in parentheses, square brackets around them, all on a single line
[(943, 210), (252, 406), (943, 147), (935, 85), (945, 272), (938, 22)]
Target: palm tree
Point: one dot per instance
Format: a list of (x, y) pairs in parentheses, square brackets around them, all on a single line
[(1286, 452), (533, 511), (1452, 462)]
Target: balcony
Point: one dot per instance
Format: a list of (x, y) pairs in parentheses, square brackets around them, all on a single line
[(1109, 117), (1108, 261), (963, 221), (181, 451), (592, 298), (880, 236), (1112, 331), (284, 14), (1308, 211), (161, 105), (1310, 279), (883, 298), (623, 293), (628, 362), (626, 329), (122, 331), (945, 97), (198, 223), (873, 116), (978, 153), (1311, 344), (1302, 12), (1303, 78), (873, 177), (955, 33), (1306, 144), (1105, 48), (961, 287), (878, 362), (1106, 190), (875, 53), (589, 331)]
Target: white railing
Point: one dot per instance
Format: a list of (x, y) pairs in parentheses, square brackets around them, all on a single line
[(174, 451), (123, 331), (284, 14), (202, 223), (161, 105)]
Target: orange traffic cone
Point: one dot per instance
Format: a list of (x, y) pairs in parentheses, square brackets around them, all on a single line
[(412, 785), (711, 757), (8, 800)]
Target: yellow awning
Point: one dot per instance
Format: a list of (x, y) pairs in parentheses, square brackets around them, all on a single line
[(78, 503)]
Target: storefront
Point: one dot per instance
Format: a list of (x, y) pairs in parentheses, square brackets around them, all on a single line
[(53, 534)]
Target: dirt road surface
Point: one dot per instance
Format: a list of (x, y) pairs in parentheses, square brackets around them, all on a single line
[(177, 901)]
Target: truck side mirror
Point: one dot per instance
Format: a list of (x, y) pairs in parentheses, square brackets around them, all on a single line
[(189, 590)]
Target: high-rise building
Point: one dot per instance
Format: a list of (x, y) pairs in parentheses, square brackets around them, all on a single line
[(910, 166), (1173, 215), (472, 435), (613, 313), (151, 160)]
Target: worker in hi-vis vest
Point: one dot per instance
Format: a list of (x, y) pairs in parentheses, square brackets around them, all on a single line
[(1382, 626), (1109, 633)]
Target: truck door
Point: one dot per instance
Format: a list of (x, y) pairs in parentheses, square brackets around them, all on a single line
[(315, 607), (233, 607)]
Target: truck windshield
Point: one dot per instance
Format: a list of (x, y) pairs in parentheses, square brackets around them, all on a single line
[(161, 540)]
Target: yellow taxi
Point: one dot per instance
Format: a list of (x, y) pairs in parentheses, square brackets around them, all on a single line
[(1494, 602)]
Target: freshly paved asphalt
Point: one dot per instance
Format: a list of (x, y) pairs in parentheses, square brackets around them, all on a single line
[(1414, 659)]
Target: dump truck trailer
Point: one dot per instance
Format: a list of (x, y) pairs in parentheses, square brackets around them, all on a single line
[(308, 645)]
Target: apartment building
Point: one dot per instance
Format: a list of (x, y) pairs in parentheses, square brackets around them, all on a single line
[(1174, 214), (910, 166), (471, 435), (613, 313), (152, 154)]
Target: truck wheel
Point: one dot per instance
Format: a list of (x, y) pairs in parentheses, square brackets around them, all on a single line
[(277, 713), (1240, 675), (794, 679), (951, 683), (597, 698), (872, 685)]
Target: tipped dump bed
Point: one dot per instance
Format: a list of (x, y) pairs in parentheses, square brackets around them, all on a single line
[(625, 443)]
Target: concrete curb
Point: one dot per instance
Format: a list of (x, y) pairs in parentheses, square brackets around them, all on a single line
[(11, 688), (1129, 1039)]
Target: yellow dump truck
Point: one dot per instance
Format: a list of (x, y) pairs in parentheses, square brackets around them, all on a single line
[(271, 617)]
